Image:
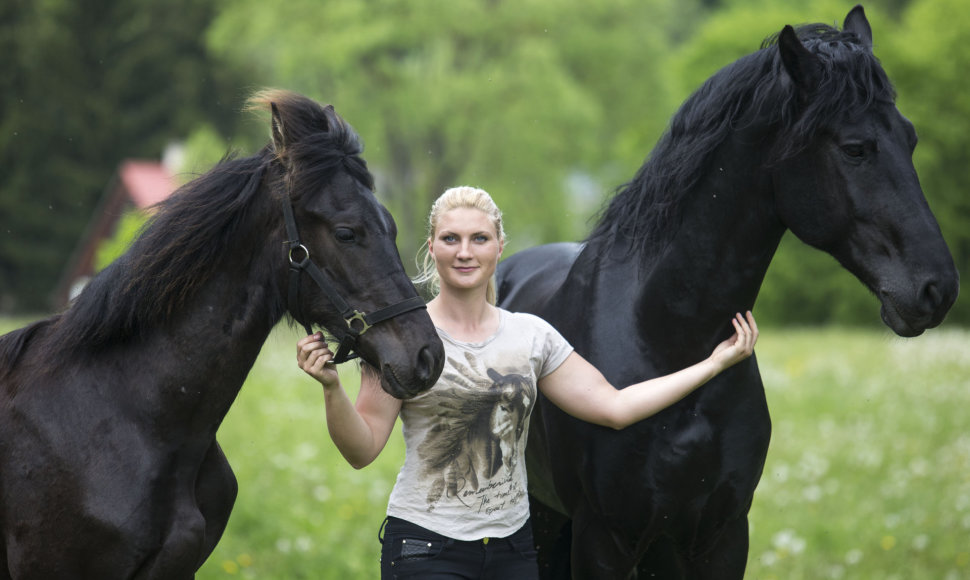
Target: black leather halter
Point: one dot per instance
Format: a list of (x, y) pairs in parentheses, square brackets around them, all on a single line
[(299, 257)]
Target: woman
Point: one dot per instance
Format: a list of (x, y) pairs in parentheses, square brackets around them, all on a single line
[(460, 504)]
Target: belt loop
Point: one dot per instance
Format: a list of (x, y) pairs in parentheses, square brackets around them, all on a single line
[(380, 532)]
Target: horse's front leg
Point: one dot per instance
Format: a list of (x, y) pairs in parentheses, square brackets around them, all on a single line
[(724, 559), (199, 515), (727, 557), (215, 493), (552, 536), (4, 569), (595, 553)]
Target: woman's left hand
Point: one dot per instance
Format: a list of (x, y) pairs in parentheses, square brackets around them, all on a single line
[(314, 357), (741, 345)]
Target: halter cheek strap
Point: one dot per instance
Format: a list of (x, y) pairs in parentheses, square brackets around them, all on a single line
[(357, 322)]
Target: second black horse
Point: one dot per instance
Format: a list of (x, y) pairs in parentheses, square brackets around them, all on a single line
[(802, 135)]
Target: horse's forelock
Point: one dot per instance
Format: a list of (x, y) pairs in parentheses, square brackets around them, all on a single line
[(318, 142), (321, 155), (851, 81)]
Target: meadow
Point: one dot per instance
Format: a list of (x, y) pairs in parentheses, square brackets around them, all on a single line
[(868, 473)]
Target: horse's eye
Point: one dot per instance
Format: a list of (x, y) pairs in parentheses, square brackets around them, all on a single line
[(854, 150), (345, 235)]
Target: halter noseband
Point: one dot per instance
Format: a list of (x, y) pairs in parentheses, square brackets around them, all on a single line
[(298, 263)]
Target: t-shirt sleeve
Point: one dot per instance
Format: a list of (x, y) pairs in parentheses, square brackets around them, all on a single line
[(554, 348)]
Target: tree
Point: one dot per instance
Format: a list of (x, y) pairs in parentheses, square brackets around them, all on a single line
[(512, 96), (87, 84)]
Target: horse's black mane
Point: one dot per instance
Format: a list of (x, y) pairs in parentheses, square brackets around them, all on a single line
[(212, 217), (753, 91)]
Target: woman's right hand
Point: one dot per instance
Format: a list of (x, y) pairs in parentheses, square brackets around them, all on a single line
[(314, 357)]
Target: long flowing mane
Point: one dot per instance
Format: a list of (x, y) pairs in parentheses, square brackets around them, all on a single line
[(172, 258), (207, 219), (753, 91)]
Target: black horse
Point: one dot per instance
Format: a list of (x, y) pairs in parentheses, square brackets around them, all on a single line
[(802, 135), (109, 466)]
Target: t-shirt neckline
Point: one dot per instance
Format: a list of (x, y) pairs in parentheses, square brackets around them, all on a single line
[(501, 326)]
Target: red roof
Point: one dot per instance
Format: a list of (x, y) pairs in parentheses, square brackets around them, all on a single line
[(147, 183)]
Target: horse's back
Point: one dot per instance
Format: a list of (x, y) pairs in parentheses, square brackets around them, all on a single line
[(527, 279)]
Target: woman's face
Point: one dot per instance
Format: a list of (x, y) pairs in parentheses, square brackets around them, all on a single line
[(465, 248)]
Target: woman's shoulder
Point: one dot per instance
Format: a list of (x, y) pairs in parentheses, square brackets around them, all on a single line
[(525, 319)]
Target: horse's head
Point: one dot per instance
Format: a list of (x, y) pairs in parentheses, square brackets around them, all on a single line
[(850, 188), (345, 270)]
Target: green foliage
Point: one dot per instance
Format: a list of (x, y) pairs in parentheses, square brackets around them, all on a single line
[(805, 286), (204, 148), (86, 85), (128, 227), (511, 96)]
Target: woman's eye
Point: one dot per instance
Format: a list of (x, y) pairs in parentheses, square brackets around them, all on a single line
[(345, 235)]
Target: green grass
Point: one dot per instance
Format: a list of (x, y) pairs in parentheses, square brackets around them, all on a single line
[(868, 474)]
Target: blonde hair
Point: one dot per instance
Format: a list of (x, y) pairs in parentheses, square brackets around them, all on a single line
[(461, 197)]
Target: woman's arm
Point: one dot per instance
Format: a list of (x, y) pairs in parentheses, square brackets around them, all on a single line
[(359, 431), (579, 389)]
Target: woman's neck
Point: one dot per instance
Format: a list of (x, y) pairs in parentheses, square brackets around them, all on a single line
[(465, 317)]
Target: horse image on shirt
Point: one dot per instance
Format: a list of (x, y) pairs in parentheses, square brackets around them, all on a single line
[(480, 431)]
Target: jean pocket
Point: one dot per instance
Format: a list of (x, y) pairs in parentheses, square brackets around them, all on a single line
[(413, 548)]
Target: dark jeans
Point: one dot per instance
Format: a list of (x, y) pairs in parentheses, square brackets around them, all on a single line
[(410, 551)]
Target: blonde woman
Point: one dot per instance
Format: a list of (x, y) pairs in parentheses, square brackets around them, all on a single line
[(459, 508)]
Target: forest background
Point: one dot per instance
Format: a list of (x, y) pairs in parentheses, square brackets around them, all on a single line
[(548, 104)]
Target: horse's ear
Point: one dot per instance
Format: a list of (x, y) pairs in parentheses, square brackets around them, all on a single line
[(279, 135), (857, 23), (804, 68), (331, 116)]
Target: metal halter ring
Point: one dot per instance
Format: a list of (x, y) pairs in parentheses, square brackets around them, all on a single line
[(306, 255), (358, 315)]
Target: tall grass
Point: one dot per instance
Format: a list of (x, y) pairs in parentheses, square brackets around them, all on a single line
[(868, 474)]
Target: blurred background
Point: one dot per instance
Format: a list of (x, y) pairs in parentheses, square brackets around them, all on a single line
[(107, 105), (548, 104)]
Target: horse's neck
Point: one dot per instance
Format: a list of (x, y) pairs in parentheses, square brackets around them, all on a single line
[(712, 267), (211, 346), (715, 264)]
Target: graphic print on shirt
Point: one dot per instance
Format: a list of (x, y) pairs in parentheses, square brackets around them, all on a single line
[(471, 453)]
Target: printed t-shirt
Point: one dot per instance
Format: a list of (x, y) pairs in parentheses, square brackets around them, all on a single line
[(464, 469)]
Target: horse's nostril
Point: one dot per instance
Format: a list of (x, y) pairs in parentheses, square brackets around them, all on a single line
[(932, 298), (932, 294), (426, 366)]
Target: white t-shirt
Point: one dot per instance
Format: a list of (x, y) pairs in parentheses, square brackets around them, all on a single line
[(464, 470)]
